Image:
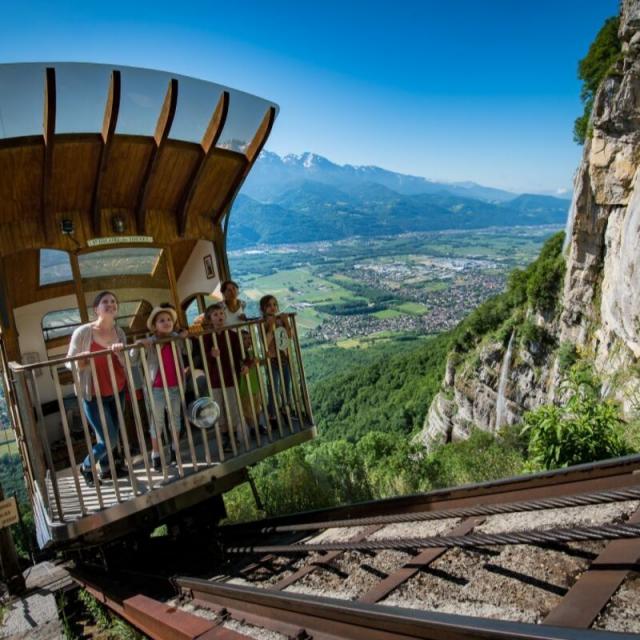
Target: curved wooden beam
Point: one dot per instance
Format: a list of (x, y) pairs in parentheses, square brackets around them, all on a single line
[(163, 127), (49, 133), (111, 111), (253, 151), (208, 143)]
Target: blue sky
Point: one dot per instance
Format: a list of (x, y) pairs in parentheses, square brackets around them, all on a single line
[(466, 90)]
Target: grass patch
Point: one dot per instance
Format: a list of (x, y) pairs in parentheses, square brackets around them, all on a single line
[(387, 313), (413, 308)]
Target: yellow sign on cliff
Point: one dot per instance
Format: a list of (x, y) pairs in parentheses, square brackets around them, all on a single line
[(8, 512)]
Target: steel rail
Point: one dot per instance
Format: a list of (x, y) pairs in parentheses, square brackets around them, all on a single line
[(612, 531), (320, 618), (154, 618), (579, 500), (595, 476)]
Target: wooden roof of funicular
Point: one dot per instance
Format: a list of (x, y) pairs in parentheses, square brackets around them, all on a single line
[(165, 154)]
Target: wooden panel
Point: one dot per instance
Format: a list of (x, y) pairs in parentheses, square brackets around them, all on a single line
[(220, 172), (175, 165), (125, 171), (111, 112), (75, 165), (21, 181), (208, 143), (163, 127), (22, 273)]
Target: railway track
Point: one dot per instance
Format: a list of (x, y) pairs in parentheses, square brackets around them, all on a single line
[(553, 555)]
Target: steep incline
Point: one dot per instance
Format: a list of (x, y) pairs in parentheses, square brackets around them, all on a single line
[(598, 312)]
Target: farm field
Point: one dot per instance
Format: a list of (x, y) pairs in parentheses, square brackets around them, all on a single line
[(419, 282)]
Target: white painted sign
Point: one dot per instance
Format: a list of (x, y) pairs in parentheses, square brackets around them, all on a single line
[(98, 242), (8, 512)]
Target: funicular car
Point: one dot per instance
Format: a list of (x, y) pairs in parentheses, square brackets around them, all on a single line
[(123, 179)]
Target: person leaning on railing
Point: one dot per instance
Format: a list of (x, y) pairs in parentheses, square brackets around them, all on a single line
[(162, 323), (225, 361), (100, 335), (278, 333)]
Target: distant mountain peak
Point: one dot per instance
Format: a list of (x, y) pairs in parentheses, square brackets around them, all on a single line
[(307, 160), (273, 175)]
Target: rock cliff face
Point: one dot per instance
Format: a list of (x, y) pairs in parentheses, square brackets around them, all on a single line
[(600, 305)]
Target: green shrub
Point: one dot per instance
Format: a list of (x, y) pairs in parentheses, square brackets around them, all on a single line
[(481, 457), (546, 275), (567, 356), (585, 429), (535, 337), (592, 69)]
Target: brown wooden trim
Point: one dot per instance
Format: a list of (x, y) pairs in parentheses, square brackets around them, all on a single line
[(208, 143), (111, 111), (253, 151), (49, 131), (173, 285), (262, 134), (220, 253), (79, 289), (163, 127)]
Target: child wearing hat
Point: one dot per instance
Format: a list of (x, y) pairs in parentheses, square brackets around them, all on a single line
[(161, 323)]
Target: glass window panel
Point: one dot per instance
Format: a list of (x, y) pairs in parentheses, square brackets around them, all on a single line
[(81, 95), (245, 115), (197, 101), (141, 99), (55, 266), (21, 99), (60, 323), (119, 262), (192, 311)]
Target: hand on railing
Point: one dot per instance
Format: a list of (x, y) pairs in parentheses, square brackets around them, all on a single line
[(117, 346), (215, 353)]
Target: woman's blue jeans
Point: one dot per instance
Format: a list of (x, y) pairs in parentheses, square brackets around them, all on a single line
[(281, 392), (92, 412)]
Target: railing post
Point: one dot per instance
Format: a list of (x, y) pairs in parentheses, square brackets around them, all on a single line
[(87, 437), (247, 381), (207, 376), (187, 425), (303, 378), (137, 418), (68, 442), (225, 399), (234, 380), (172, 423), (267, 359), (263, 393), (204, 433), (151, 411), (42, 431)]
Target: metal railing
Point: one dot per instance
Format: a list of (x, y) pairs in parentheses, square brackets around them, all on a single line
[(47, 402)]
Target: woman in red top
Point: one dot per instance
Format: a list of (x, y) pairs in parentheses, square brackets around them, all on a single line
[(100, 335)]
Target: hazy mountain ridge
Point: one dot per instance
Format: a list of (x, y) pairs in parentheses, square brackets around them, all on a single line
[(308, 198), (273, 174)]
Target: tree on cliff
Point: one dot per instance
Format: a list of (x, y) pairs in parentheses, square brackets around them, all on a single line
[(592, 69)]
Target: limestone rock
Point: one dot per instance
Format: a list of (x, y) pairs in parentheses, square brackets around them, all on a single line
[(601, 295)]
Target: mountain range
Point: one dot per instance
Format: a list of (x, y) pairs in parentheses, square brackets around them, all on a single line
[(306, 197)]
